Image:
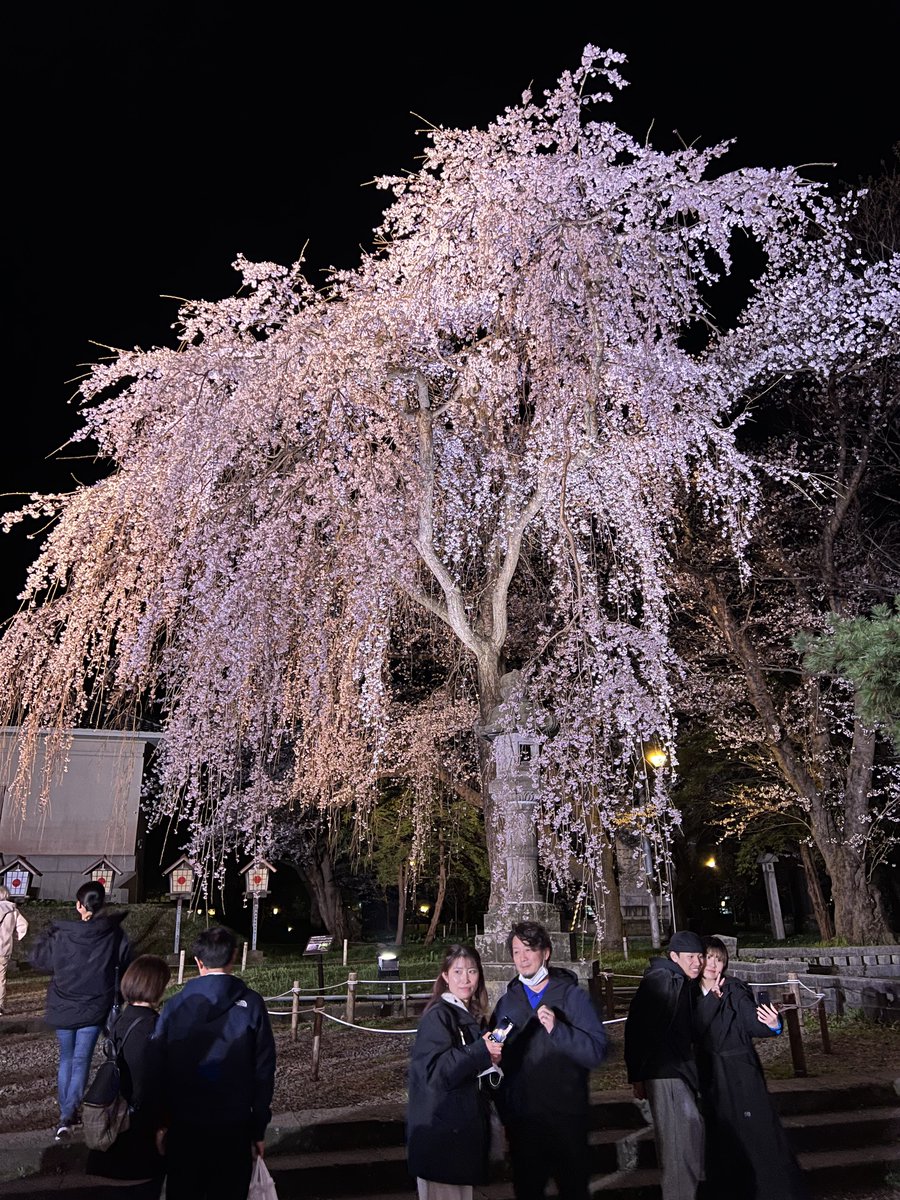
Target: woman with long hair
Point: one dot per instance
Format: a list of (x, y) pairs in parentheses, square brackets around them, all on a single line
[(84, 958), (134, 1154), (747, 1152), (448, 1121)]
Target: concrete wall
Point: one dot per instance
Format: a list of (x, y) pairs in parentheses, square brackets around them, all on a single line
[(863, 977)]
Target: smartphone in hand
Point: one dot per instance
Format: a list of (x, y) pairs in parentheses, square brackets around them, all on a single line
[(763, 997), (502, 1032)]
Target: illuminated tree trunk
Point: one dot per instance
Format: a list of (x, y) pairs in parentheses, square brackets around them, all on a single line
[(814, 887), (439, 898)]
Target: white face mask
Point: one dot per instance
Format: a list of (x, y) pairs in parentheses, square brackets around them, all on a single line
[(538, 977)]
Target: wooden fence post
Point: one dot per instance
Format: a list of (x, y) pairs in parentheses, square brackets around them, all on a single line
[(351, 995), (610, 997), (181, 966), (823, 1027), (594, 984), (295, 1009), (792, 1016), (794, 985), (317, 1036)]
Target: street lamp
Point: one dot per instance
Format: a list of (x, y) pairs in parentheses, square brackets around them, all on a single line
[(656, 756)]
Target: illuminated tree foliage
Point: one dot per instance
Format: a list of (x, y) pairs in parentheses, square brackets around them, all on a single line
[(474, 445), (824, 547)]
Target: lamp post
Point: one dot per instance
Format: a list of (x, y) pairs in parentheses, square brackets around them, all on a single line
[(256, 885), (181, 884), (656, 757)]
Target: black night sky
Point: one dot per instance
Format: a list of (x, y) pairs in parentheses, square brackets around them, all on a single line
[(151, 144)]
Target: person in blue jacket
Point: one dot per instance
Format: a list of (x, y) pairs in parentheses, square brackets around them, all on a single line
[(214, 1066), (556, 1040)]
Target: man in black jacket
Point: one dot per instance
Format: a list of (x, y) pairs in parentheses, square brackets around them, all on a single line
[(214, 1062), (659, 1056), (556, 1039)]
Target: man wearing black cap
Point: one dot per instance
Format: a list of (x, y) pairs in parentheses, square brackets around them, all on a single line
[(660, 1060)]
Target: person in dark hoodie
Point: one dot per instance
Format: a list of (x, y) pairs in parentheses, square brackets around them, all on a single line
[(556, 1039), (84, 958), (214, 1065), (659, 1055)]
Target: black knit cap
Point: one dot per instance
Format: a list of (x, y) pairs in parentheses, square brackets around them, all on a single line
[(684, 942)]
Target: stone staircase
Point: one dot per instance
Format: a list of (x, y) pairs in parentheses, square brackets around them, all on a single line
[(846, 1134), (847, 1138)]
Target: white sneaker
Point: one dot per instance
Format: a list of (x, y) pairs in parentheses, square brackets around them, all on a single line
[(63, 1134)]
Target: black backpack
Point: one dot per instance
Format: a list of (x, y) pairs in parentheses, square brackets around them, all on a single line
[(105, 1111)]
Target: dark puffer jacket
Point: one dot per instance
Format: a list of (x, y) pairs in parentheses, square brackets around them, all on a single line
[(448, 1117), (213, 1056), (658, 1032), (82, 956), (546, 1075)]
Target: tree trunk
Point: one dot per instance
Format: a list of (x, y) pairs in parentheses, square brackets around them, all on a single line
[(613, 927), (439, 900), (859, 914), (318, 876), (488, 678), (402, 877), (814, 887)]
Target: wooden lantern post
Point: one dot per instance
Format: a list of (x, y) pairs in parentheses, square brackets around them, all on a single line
[(181, 884), (256, 886)]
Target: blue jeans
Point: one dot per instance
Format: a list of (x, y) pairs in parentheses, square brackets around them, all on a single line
[(76, 1049)]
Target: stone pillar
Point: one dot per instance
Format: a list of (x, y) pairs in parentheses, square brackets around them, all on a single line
[(516, 762), (767, 862)]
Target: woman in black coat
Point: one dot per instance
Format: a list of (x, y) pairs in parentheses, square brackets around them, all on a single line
[(83, 957), (748, 1156), (134, 1154), (448, 1121)]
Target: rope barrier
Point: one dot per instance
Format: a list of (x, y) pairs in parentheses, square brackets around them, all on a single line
[(369, 1029)]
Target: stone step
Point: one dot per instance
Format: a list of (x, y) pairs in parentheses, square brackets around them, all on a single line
[(384, 1125), (831, 1173), (846, 1135), (814, 1132), (380, 1174)]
